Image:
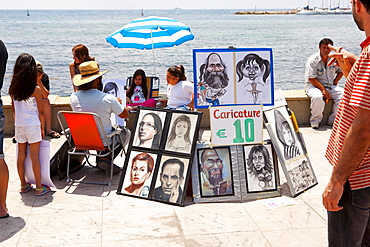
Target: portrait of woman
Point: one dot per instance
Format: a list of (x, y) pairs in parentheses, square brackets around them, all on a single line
[(149, 130), (111, 88), (140, 175), (179, 136), (286, 136), (260, 168), (253, 70)]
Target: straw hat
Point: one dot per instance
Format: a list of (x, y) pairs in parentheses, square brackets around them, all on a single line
[(89, 72)]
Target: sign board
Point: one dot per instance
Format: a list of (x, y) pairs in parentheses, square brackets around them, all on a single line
[(236, 125), (242, 76)]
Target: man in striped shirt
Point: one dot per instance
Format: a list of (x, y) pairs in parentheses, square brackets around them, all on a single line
[(347, 195)]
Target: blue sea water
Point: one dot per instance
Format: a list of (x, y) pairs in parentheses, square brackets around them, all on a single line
[(49, 36)]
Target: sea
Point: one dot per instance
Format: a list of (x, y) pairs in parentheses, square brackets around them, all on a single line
[(49, 36)]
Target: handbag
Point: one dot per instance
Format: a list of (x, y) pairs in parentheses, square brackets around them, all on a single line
[(58, 163), (44, 156)]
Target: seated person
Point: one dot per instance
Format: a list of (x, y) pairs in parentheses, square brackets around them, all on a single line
[(89, 99), (45, 89), (179, 90), (138, 93), (322, 83)]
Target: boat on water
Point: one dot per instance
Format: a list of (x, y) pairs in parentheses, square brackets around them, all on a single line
[(324, 10)]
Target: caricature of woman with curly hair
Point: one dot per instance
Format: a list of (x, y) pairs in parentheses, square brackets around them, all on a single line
[(256, 70)]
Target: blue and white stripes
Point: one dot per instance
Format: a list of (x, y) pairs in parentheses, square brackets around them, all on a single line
[(151, 32)]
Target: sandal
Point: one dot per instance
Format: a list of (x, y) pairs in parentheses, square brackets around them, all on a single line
[(25, 189), (45, 189), (53, 134)]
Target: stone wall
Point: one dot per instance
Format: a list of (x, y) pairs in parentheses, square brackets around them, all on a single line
[(297, 101)]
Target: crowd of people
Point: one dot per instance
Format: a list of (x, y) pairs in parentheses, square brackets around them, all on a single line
[(29, 91), (347, 194)]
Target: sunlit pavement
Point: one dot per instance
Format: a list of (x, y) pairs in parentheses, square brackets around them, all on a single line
[(94, 215)]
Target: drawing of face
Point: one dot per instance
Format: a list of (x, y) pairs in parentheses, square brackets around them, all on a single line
[(252, 70), (181, 128), (147, 128), (170, 178), (214, 65), (258, 161), (112, 92), (139, 172), (287, 134), (212, 166), (138, 80)]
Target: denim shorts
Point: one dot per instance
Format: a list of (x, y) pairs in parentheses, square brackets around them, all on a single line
[(182, 108), (2, 121)]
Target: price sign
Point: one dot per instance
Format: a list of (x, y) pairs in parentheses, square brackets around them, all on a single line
[(236, 125)]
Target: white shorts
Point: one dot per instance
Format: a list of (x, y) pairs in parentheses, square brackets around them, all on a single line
[(30, 134)]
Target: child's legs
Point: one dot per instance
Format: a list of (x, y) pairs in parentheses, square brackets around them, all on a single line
[(22, 153), (34, 155)]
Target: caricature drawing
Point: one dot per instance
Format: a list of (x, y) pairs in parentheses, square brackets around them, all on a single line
[(260, 169), (213, 79), (285, 135), (256, 70)]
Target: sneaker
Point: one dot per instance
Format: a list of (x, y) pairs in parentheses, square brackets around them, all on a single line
[(105, 166), (315, 126)]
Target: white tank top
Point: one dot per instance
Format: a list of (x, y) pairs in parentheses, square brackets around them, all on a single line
[(26, 112)]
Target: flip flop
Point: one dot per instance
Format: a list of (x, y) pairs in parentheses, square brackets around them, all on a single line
[(25, 189), (53, 134), (4, 216), (45, 189)]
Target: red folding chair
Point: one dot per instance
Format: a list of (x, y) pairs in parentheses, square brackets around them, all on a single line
[(85, 133)]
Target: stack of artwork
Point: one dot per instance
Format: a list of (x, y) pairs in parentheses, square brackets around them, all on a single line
[(233, 77), (238, 164), (160, 152)]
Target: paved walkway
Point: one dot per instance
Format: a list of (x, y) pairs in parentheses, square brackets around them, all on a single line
[(93, 215)]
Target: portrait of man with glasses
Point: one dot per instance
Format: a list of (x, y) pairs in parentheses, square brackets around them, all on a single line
[(215, 172)]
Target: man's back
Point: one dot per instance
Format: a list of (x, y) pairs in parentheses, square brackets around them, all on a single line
[(97, 102)]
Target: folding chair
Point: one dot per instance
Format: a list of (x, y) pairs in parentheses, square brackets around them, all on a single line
[(85, 133), (152, 83)]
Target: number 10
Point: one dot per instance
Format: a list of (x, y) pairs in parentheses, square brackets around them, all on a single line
[(249, 131)]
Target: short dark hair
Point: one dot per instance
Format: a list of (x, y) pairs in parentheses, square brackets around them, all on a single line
[(366, 3), (175, 161), (326, 41)]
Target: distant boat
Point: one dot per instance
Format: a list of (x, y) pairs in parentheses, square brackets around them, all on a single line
[(177, 8), (323, 11), (142, 12), (28, 13)]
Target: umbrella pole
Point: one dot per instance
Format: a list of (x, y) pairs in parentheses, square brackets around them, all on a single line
[(155, 70)]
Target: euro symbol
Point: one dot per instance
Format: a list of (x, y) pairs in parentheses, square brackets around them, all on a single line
[(221, 133)]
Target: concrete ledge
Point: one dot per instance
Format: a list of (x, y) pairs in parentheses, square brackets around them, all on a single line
[(297, 101)]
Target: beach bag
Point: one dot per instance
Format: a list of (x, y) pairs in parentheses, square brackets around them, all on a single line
[(58, 164), (44, 158)]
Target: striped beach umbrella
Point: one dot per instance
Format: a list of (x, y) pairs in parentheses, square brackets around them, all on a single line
[(150, 33)]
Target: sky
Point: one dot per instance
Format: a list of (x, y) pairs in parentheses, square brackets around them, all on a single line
[(153, 4)]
